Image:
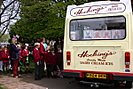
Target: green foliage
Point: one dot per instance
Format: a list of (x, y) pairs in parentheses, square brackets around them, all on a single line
[(40, 18), (2, 87), (5, 38)]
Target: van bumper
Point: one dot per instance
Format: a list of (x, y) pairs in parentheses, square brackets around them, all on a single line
[(110, 75), (70, 74)]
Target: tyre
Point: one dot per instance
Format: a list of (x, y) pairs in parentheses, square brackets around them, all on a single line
[(128, 84)]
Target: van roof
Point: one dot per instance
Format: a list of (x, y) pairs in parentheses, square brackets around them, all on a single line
[(99, 7)]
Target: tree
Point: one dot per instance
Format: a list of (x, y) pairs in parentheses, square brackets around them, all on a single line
[(8, 14), (42, 19), (5, 38)]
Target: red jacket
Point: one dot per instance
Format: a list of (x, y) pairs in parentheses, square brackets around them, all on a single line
[(5, 56), (36, 55), (47, 59), (0, 55), (25, 54), (53, 59), (60, 57), (20, 55), (42, 51)]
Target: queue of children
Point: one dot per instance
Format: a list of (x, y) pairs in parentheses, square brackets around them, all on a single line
[(44, 55), (14, 57), (48, 55)]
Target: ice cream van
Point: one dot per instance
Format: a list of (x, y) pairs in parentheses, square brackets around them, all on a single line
[(98, 42)]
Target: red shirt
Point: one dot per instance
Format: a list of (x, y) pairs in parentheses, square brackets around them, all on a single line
[(5, 55), (42, 51), (60, 57), (20, 55), (36, 55), (25, 54), (53, 59), (47, 59)]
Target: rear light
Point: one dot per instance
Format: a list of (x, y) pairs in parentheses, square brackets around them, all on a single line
[(127, 66), (127, 59), (68, 55), (110, 77)]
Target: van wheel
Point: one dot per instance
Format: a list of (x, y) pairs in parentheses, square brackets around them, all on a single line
[(116, 84), (78, 79), (128, 84)]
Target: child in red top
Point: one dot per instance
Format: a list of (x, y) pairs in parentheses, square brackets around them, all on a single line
[(36, 59), (53, 61), (6, 57), (20, 60), (25, 56), (48, 67), (60, 57)]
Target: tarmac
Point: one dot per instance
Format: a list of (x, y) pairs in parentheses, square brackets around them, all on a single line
[(26, 81), (31, 86)]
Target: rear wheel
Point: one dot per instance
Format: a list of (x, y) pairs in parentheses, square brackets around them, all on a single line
[(128, 84)]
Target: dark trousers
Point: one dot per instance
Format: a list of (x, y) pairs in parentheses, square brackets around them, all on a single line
[(60, 66), (48, 70), (15, 67), (37, 71), (42, 68)]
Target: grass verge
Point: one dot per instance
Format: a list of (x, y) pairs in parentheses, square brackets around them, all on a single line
[(2, 87)]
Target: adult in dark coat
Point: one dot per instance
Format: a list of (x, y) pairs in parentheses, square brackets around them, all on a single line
[(15, 56)]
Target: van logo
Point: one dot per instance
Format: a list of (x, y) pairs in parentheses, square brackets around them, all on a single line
[(104, 55), (98, 9)]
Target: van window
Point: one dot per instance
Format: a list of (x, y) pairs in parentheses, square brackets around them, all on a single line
[(98, 28)]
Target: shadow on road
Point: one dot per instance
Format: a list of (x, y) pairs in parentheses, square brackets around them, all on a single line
[(60, 83)]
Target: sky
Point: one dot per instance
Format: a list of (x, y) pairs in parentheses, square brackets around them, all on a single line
[(8, 12)]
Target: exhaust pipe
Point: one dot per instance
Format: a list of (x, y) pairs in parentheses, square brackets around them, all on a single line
[(96, 85)]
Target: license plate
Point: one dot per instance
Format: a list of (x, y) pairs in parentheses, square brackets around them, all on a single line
[(94, 75)]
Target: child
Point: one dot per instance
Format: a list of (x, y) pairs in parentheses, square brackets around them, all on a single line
[(60, 57), (60, 61), (47, 53), (20, 60), (30, 57), (53, 59), (6, 57), (36, 59), (1, 61), (25, 58)]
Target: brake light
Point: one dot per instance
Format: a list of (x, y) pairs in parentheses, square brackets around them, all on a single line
[(68, 55), (127, 59)]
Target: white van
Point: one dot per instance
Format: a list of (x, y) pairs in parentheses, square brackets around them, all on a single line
[(98, 41)]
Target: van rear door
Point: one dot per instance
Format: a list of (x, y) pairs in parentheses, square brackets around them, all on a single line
[(98, 43)]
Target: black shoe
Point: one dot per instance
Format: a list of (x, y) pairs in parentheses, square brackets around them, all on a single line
[(43, 76), (8, 71), (29, 71), (5, 72), (53, 77), (26, 71), (37, 78), (48, 76)]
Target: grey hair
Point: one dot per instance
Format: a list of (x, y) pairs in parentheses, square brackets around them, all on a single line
[(13, 40)]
